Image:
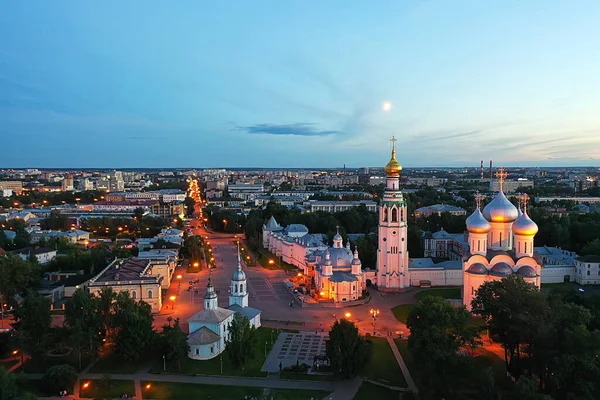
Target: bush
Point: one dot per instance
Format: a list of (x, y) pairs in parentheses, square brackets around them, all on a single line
[(60, 377)]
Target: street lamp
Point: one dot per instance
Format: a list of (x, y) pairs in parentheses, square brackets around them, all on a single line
[(374, 314), (172, 298), (196, 265), (348, 315), (179, 280)]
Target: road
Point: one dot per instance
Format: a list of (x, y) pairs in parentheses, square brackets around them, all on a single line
[(268, 293)]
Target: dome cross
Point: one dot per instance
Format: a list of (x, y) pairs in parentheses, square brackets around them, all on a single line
[(478, 198), (501, 175), (525, 199)]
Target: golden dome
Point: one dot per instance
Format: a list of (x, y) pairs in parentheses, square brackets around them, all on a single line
[(524, 226), (476, 223), (393, 168)]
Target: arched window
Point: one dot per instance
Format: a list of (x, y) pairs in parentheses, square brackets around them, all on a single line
[(236, 287), (384, 214), (241, 288), (133, 295), (500, 238), (394, 215), (150, 294), (525, 247), (402, 214), (479, 245)]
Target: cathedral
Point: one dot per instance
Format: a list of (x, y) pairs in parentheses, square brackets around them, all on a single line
[(209, 329), (500, 244)]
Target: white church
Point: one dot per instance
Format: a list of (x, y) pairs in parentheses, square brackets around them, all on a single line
[(209, 329)]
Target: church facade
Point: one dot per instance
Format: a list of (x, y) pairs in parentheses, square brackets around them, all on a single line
[(209, 329)]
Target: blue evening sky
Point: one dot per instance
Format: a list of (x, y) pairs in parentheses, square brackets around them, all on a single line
[(299, 83)]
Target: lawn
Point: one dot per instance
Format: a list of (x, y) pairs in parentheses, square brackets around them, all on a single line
[(264, 256), (106, 389), (589, 290), (445, 293), (301, 376), (382, 364), (293, 394), (213, 367), (40, 365), (36, 387), (186, 391), (401, 312), (369, 391), (111, 363), (402, 346)]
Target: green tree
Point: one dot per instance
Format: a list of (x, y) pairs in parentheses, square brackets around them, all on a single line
[(241, 342), (133, 325), (175, 344), (84, 322), (10, 389), (346, 350), (32, 326), (438, 331), (514, 311), (60, 377), (16, 275), (105, 307)]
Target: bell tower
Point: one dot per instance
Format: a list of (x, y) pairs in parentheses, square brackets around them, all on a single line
[(392, 253)]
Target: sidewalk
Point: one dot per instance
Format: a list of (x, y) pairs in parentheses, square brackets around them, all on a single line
[(405, 372), (346, 391)]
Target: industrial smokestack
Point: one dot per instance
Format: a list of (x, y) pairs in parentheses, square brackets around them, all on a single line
[(491, 173), (481, 169)]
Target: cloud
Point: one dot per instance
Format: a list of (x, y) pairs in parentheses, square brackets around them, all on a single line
[(297, 129)]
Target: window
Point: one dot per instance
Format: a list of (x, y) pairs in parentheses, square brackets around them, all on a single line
[(241, 287), (150, 293), (133, 295), (479, 245), (394, 215), (212, 349), (384, 216), (588, 272), (236, 287), (197, 352), (500, 238)]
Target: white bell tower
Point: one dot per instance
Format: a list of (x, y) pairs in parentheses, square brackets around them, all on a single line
[(392, 253), (239, 287)]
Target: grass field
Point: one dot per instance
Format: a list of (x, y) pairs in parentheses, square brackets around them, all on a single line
[(213, 367), (445, 293), (110, 363), (369, 391), (401, 311), (186, 391), (589, 290), (382, 364), (106, 389), (402, 346)]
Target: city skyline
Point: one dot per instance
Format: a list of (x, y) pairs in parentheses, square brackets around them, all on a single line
[(281, 85)]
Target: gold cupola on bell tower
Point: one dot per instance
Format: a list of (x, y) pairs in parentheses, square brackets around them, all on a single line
[(393, 167)]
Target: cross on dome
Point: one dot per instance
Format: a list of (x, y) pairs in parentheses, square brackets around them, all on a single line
[(525, 199), (478, 198), (501, 175), (393, 140)]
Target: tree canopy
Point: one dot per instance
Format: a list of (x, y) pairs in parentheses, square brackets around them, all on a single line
[(241, 342), (346, 350)]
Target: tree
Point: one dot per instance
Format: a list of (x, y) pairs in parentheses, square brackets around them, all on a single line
[(105, 308), (133, 325), (438, 332), (514, 311), (60, 377), (9, 387), (16, 275), (175, 344), (84, 322), (32, 326), (241, 341), (345, 349)]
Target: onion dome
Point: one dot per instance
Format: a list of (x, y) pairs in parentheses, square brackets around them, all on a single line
[(501, 269), (476, 223), (524, 226), (327, 258), (393, 167), (526, 272), (500, 209), (356, 260), (478, 269), (210, 290), (239, 275)]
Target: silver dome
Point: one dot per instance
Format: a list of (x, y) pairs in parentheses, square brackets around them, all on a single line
[(500, 209), (238, 275), (476, 223), (526, 272), (478, 269), (501, 269), (524, 226)]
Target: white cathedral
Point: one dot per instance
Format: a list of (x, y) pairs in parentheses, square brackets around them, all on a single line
[(209, 329)]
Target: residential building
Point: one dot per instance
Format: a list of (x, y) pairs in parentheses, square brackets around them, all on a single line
[(443, 244), (246, 191), (587, 270), (439, 209), (510, 186), (336, 206), (43, 254), (15, 186)]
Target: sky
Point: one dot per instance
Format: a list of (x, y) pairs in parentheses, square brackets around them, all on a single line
[(299, 83)]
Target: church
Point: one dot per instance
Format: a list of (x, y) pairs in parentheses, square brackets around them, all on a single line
[(500, 244), (209, 329)]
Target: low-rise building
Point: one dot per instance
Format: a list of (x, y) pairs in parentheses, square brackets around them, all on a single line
[(510, 186), (439, 209), (337, 206), (141, 278), (587, 270), (43, 254)]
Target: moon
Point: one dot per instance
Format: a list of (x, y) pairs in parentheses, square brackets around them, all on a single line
[(386, 106)]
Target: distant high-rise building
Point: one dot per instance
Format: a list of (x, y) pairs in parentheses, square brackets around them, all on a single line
[(67, 184), (116, 182)]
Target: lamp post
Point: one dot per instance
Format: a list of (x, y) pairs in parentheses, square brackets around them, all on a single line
[(164, 362), (374, 314), (266, 349), (172, 298)]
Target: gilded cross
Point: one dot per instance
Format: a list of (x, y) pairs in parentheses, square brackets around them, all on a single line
[(337, 228), (478, 198), (501, 175), (393, 140), (525, 199)]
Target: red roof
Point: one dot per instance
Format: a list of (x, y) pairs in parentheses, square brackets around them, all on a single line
[(2, 251)]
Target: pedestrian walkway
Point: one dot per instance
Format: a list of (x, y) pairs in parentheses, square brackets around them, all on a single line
[(346, 391), (405, 372)]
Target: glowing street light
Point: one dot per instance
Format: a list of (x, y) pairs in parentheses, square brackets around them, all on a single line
[(348, 315), (148, 386), (271, 261), (173, 298), (374, 313), (86, 385), (196, 265)]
